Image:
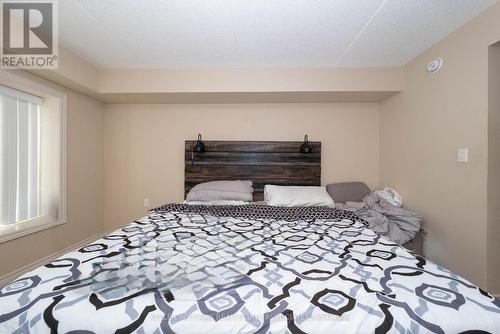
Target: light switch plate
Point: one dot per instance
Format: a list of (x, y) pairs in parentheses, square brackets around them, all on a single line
[(146, 202), (462, 155)]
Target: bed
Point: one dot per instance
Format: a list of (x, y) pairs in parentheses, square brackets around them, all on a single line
[(245, 269)]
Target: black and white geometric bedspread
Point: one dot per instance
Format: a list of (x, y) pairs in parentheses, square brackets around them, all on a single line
[(191, 269)]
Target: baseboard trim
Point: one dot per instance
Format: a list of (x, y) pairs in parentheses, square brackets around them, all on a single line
[(7, 278)]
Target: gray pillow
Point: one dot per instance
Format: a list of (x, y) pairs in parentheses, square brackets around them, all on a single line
[(348, 191), (222, 191)]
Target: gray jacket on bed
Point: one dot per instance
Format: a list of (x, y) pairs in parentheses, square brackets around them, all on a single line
[(397, 224)]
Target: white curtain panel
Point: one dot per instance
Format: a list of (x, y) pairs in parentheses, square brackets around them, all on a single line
[(19, 156)]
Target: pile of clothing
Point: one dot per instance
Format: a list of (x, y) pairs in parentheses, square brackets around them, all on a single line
[(382, 210)]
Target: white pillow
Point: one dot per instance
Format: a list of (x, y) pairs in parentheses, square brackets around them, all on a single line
[(297, 196), (221, 191), (389, 195)]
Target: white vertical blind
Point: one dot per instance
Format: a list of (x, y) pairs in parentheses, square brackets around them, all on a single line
[(19, 156)]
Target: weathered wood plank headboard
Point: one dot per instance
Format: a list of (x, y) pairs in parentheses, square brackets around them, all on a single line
[(263, 162)]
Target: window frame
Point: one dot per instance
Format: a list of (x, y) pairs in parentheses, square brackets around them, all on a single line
[(25, 83)]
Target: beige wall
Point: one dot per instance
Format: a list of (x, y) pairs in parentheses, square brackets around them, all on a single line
[(421, 130), (74, 73), (144, 144), (223, 80), (493, 250), (85, 189)]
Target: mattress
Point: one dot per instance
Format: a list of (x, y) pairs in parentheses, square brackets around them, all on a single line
[(245, 269)]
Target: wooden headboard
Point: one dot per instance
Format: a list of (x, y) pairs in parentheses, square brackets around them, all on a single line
[(263, 162)]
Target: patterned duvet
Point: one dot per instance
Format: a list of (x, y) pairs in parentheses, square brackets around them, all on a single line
[(195, 269)]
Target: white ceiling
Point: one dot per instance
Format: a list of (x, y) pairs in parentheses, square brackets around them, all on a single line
[(258, 33)]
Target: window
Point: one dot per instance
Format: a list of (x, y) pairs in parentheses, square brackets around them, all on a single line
[(20, 156), (32, 178)]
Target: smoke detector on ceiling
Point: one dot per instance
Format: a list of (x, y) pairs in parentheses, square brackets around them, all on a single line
[(435, 65)]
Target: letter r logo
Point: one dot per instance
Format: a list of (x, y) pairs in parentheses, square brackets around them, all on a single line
[(27, 28)]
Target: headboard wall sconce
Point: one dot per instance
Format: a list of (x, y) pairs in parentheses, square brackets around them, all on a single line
[(199, 146), (262, 162), (306, 147)]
